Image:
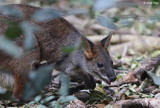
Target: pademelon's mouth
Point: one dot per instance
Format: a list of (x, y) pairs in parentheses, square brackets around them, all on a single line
[(105, 79)]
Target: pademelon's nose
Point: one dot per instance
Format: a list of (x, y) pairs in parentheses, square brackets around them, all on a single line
[(112, 78)]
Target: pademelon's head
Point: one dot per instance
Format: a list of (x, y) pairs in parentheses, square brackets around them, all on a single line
[(98, 60)]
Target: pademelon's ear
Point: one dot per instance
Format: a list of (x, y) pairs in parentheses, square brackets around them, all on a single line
[(106, 41), (90, 48)]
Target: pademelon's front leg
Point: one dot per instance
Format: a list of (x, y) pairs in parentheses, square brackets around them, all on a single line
[(88, 80), (19, 86), (21, 73), (79, 74)]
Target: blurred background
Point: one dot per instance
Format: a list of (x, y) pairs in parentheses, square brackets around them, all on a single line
[(135, 25)]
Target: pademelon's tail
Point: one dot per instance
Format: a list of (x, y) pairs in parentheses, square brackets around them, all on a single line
[(6, 81)]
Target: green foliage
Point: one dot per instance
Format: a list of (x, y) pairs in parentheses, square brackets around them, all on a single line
[(102, 5), (107, 22), (11, 11), (29, 30), (50, 101), (70, 49), (155, 3), (156, 78), (97, 97), (37, 81), (81, 2), (9, 47), (13, 31), (64, 84), (46, 15), (155, 53)]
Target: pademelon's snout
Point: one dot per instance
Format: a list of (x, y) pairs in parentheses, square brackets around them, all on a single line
[(112, 78), (111, 75)]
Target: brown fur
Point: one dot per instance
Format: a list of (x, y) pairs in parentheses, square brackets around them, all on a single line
[(55, 35)]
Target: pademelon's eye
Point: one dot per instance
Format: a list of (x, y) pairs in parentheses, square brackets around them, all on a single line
[(99, 65)]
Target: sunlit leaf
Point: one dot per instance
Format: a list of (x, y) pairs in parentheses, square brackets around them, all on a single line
[(144, 84), (10, 10), (104, 4), (155, 53), (29, 30), (146, 95), (132, 88), (107, 22), (9, 47), (127, 92), (46, 15)]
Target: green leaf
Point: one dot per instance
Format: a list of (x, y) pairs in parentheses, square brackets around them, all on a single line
[(96, 97), (46, 15), (13, 31), (10, 10), (31, 103), (9, 47), (144, 84), (29, 30), (38, 80), (57, 105), (81, 2), (155, 3), (104, 4), (37, 98), (2, 90), (68, 49), (76, 11), (156, 78), (63, 91), (66, 99), (127, 92), (155, 53), (146, 96), (47, 99), (41, 106), (52, 104), (131, 88), (107, 22), (127, 4)]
